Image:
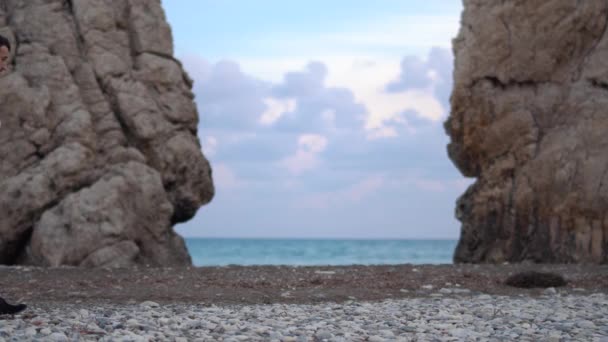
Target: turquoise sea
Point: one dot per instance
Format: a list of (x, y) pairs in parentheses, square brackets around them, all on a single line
[(221, 252)]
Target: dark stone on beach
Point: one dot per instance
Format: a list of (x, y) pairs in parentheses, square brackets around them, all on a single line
[(8, 309), (532, 279)]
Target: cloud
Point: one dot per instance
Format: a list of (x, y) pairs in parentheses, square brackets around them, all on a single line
[(367, 77), (302, 106), (304, 140), (227, 98), (382, 132), (414, 74), (319, 107), (306, 157), (209, 146), (422, 102), (303, 83), (434, 72), (355, 134), (230, 100), (275, 109), (328, 117), (358, 86), (420, 155), (422, 88), (414, 120), (441, 62)]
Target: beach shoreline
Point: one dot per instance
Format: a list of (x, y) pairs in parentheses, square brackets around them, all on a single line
[(303, 304), (278, 284)]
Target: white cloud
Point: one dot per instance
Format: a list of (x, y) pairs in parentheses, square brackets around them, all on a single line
[(382, 132), (306, 157), (387, 107), (210, 146), (368, 81), (366, 77), (275, 108)]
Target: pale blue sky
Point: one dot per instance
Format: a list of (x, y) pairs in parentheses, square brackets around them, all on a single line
[(322, 119), (239, 28)]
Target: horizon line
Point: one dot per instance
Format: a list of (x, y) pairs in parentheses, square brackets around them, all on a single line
[(320, 238)]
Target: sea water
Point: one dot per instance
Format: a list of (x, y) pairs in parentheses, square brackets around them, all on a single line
[(221, 252)]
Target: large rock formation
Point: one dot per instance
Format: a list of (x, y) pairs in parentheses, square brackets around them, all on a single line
[(98, 149), (529, 120)]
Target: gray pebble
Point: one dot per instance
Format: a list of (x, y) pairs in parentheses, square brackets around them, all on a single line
[(586, 324), (323, 335), (58, 337), (550, 291)]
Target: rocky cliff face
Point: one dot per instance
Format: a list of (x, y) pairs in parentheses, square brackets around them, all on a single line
[(98, 149), (529, 120)]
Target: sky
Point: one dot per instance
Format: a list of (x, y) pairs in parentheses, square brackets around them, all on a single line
[(322, 119)]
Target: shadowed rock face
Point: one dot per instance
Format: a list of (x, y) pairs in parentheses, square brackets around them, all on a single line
[(530, 120), (98, 149)]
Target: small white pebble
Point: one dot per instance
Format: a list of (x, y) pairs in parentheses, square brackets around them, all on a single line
[(150, 304)]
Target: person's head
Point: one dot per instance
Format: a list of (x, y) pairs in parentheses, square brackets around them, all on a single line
[(5, 55)]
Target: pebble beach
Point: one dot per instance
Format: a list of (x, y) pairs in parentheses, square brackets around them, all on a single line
[(444, 316), (329, 303)]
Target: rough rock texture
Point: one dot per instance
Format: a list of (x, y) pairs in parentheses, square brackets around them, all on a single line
[(98, 149), (530, 120)]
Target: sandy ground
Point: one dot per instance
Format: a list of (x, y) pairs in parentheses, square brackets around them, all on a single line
[(273, 284)]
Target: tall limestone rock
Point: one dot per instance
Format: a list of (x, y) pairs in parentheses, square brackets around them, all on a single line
[(99, 156), (530, 121)]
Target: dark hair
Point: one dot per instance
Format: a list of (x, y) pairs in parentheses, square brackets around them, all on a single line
[(5, 42)]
